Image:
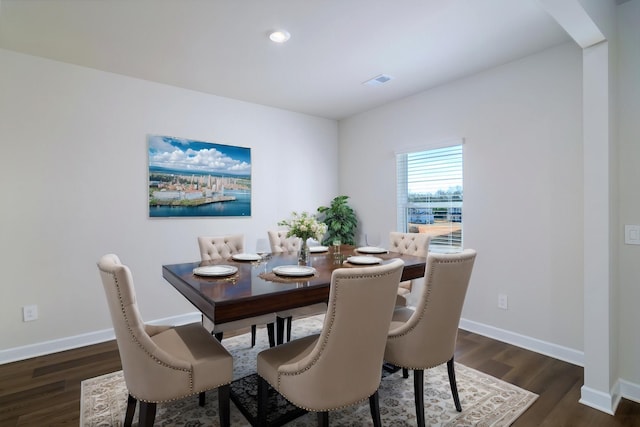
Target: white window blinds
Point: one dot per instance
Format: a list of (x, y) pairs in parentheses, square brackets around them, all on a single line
[(430, 195)]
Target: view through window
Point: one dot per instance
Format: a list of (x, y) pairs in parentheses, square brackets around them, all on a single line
[(430, 195)]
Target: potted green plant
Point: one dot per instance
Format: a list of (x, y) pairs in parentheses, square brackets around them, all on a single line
[(341, 221)]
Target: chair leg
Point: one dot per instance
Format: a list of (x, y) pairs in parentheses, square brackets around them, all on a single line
[(147, 414), (131, 409), (323, 419), (253, 335), (405, 373), (280, 329), (289, 322), (418, 390), (263, 396), (224, 407), (374, 405), (201, 399), (452, 383), (272, 335)]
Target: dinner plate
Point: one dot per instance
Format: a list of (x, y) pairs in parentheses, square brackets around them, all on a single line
[(371, 250), (315, 249), (365, 260), (215, 270), (246, 257), (294, 270)]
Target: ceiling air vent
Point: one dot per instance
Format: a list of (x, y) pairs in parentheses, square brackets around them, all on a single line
[(378, 80)]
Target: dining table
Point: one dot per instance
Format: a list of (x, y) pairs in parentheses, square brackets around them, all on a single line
[(247, 285), (254, 289)]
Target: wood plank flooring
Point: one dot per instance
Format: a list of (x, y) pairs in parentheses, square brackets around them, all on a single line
[(45, 391)]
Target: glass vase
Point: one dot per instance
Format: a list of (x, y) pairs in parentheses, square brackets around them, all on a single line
[(303, 253)]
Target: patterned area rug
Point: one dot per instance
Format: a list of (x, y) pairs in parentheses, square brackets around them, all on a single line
[(486, 401)]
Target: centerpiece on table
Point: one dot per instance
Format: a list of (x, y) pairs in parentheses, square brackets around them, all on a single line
[(305, 226)]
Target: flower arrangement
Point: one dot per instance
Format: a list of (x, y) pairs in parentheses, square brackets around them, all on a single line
[(304, 226)]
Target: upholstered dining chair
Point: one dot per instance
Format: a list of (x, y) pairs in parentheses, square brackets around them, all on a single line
[(280, 243), (162, 363), (341, 365), (416, 244), (221, 247), (425, 337)]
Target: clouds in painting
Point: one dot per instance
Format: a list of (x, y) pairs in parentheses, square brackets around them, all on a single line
[(196, 156)]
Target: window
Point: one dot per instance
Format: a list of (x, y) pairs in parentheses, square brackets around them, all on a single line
[(430, 195)]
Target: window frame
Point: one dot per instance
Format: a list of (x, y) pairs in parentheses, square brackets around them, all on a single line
[(454, 208)]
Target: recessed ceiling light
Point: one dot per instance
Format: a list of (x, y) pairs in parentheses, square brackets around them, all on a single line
[(279, 36)]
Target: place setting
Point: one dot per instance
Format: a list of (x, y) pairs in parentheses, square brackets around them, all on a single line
[(218, 272), (365, 254), (363, 260), (372, 245), (289, 273)]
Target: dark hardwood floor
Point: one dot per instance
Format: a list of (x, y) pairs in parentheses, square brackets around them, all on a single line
[(45, 391)]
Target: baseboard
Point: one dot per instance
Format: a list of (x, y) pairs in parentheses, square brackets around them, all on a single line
[(543, 347), (605, 402), (608, 402), (594, 398), (68, 343), (630, 390)]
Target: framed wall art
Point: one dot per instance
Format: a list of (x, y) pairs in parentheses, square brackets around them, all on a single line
[(189, 178)]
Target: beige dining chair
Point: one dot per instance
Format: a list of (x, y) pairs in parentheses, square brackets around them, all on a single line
[(416, 244), (425, 337), (340, 366), (162, 363), (280, 243), (223, 247)]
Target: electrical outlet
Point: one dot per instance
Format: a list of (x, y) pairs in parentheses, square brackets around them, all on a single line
[(29, 313), (503, 302)]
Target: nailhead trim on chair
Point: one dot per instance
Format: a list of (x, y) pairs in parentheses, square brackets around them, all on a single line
[(160, 362), (422, 313), (322, 347)]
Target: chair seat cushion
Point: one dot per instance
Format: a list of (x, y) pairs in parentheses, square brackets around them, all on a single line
[(286, 354), (406, 285), (212, 363), (400, 316)]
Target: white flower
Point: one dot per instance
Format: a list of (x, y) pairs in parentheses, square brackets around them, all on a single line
[(304, 226)]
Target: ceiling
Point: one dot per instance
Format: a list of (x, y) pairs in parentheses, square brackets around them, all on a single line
[(221, 46)]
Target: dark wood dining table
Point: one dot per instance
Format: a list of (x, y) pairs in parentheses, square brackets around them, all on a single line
[(255, 290)]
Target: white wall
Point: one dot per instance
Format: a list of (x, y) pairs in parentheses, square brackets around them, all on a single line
[(521, 123), (73, 174), (629, 177)]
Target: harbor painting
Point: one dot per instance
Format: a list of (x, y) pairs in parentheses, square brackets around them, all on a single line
[(190, 178)]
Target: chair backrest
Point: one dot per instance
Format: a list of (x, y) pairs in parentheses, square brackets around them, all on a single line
[(344, 366), (430, 333), (281, 243), (416, 244), (220, 247), (147, 368)]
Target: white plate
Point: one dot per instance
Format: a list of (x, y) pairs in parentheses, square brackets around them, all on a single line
[(367, 260), (371, 250), (215, 270), (246, 257), (314, 249), (294, 270)]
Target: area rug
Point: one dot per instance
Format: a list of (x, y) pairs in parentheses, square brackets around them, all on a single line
[(486, 401)]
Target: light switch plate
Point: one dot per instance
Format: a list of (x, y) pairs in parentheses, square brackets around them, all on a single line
[(632, 234)]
